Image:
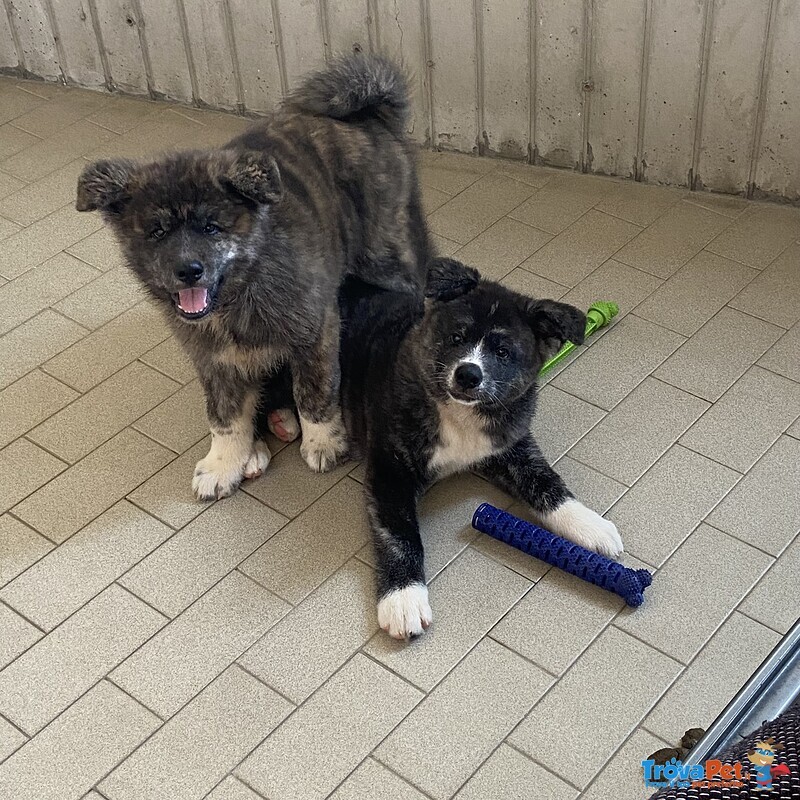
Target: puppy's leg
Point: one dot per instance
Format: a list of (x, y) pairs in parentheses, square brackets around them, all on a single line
[(316, 391), (231, 406), (403, 608), (523, 472)]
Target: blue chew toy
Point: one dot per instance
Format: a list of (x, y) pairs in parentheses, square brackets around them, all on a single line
[(629, 584)]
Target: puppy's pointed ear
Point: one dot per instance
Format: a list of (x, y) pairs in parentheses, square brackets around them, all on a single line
[(104, 185), (555, 323), (448, 279), (256, 176)]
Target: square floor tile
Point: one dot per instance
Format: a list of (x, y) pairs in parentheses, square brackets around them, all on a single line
[(607, 372), (774, 295), (718, 353), (20, 546), (41, 287), (372, 781), (27, 402), (467, 599), (103, 412), (739, 428), (784, 356), (186, 655), (72, 574), (172, 577), (561, 420), (33, 342), (669, 501), (86, 489), (629, 440), (613, 685), (510, 775), (713, 678), (501, 247), (697, 291), (561, 201), (685, 581), (450, 733), (202, 742), (639, 203), (362, 698), (557, 596), (581, 248), (764, 508), (774, 601), (300, 653), (476, 208), (24, 467), (59, 668), (313, 545), (624, 285), (758, 235), (79, 748), (676, 236), (622, 778)]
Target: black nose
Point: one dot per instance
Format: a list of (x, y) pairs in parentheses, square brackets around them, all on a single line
[(468, 375), (189, 273)]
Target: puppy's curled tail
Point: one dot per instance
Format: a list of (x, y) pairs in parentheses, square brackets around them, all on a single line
[(355, 88)]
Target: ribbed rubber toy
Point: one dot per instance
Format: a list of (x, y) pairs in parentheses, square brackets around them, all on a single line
[(628, 583)]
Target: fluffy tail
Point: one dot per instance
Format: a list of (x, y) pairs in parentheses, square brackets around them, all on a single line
[(355, 88)]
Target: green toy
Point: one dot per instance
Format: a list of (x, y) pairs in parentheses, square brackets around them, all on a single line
[(598, 316)]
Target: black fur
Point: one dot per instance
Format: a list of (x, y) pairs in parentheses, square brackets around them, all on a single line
[(400, 398)]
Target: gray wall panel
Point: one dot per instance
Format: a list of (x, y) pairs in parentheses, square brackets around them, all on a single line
[(699, 93)]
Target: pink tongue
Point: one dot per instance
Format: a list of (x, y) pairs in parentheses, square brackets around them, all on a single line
[(192, 301)]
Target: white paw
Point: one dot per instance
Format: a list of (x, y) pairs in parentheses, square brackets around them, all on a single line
[(574, 521), (283, 424), (258, 461), (212, 480), (324, 443), (405, 613)]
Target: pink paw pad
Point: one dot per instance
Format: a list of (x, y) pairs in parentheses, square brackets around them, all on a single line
[(283, 425)]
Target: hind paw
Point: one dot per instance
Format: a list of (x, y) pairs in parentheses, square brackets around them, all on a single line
[(283, 424)]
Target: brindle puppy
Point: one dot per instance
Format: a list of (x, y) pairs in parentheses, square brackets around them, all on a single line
[(245, 246)]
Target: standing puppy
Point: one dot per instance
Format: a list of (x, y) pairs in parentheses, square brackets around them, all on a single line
[(245, 247), (445, 387)]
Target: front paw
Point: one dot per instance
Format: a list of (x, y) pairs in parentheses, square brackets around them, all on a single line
[(405, 613), (324, 444), (258, 461), (213, 481), (574, 521)]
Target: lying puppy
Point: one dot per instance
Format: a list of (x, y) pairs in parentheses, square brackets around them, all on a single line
[(445, 387), (245, 247)]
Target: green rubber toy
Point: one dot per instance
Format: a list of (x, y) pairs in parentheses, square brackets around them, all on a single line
[(598, 316)]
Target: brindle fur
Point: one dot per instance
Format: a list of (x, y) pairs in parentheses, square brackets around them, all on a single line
[(325, 188)]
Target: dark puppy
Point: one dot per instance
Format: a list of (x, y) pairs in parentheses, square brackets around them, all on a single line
[(245, 248), (428, 390)]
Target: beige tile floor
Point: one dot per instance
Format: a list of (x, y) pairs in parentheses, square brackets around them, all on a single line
[(155, 647)]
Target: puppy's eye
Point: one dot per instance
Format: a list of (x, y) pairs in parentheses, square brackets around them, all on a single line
[(456, 338), (502, 352), (158, 233), (211, 229)]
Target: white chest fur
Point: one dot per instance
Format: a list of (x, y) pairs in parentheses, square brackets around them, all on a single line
[(462, 441)]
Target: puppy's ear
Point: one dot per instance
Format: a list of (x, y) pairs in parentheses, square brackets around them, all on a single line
[(104, 185), (256, 176), (448, 279), (555, 323)]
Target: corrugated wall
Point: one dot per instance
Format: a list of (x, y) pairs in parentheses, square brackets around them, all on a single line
[(704, 93)]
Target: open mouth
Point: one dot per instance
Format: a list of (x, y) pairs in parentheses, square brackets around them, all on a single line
[(194, 303)]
